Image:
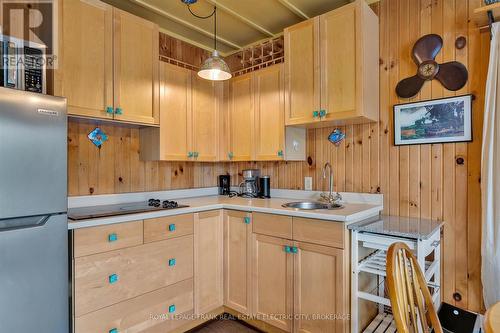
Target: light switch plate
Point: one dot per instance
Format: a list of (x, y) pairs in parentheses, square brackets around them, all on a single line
[(308, 183)]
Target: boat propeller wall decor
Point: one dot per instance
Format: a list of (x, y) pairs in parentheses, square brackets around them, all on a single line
[(452, 75)]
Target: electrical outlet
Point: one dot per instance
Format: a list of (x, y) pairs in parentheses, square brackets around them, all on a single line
[(308, 183)]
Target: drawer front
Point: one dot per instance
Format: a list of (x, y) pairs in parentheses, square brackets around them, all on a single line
[(107, 238), (108, 278), (272, 225), (319, 232), (151, 312), (168, 227)]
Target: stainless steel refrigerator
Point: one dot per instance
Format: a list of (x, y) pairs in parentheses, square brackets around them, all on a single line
[(33, 206)]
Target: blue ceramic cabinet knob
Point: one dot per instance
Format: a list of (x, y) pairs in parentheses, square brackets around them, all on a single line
[(113, 278)]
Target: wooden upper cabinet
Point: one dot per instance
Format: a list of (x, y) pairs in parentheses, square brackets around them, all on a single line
[(237, 261), (172, 141), (338, 61), (189, 129), (85, 73), (349, 64), (321, 288), (175, 112), (241, 118), (332, 68), (136, 52), (205, 118), (109, 63), (272, 287), (302, 72), (269, 113), (224, 137)]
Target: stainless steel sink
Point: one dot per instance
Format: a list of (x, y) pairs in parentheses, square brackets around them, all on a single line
[(310, 205)]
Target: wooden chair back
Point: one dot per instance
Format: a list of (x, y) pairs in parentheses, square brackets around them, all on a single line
[(411, 300)]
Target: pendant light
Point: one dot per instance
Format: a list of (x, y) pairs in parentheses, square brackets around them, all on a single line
[(214, 68)]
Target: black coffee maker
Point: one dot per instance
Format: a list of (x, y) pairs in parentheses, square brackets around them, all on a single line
[(224, 184)]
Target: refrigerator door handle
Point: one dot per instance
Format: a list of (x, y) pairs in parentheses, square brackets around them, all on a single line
[(23, 223)]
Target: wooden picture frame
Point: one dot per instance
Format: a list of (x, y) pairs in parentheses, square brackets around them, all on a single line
[(440, 120)]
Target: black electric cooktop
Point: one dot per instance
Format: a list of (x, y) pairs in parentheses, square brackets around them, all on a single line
[(84, 213)]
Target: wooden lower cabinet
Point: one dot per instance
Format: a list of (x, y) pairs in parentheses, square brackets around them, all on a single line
[(300, 286), (208, 261), (272, 287), (107, 238), (108, 278), (272, 267), (320, 289), (237, 260), (167, 227), (151, 312)]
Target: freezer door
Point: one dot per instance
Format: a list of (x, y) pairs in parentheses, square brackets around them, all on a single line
[(33, 136), (34, 275)]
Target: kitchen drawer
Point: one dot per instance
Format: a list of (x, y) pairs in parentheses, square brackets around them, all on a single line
[(106, 238), (272, 225), (146, 313), (167, 227), (108, 278), (327, 233)]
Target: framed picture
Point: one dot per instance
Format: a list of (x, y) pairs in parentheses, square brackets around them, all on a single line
[(436, 121)]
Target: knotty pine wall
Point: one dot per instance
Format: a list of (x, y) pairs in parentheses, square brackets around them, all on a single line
[(420, 181)]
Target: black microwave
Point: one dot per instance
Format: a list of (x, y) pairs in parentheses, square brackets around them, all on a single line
[(23, 65)]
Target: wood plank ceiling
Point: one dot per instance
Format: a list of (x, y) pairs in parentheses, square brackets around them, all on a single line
[(240, 22)]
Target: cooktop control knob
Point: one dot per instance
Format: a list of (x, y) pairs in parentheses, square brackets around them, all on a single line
[(154, 202), (170, 204)]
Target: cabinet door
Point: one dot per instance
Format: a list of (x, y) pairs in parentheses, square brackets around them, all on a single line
[(136, 84), (321, 288), (339, 77), (241, 117), (224, 123), (272, 271), (85, 74), (302, 72), (175, 115), (205, 123), (269, 113), (208, 261), (237, 261)]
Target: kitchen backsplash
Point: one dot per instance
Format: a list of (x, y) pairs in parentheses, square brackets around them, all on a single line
[(116, 167)]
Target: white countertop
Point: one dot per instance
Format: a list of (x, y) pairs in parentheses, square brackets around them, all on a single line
[(350, 213)]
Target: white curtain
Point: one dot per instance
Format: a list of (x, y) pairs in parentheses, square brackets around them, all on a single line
[(490, 177)]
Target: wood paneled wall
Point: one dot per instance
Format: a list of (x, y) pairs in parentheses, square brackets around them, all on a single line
[(419, 181)]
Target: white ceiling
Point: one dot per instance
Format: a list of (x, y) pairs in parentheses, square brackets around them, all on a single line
[(240, 22)]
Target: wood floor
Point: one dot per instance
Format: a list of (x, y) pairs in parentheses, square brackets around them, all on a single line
[(224, 326)]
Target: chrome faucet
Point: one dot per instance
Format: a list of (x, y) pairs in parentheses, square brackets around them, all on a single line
[(331, 198)]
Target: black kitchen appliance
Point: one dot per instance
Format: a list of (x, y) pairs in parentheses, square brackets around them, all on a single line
[(84, 213), (224, 184), (264, 187), (23, 65)]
